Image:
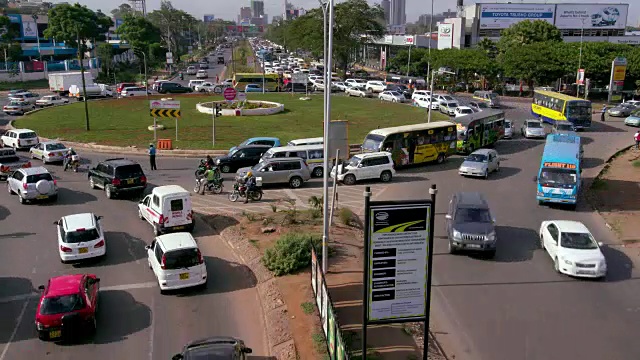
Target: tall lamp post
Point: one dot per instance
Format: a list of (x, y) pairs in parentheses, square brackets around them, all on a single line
[(324, 4), (433, 75), (84, 82), (430, 33), (35, 19), (579, 60), (146, 78)]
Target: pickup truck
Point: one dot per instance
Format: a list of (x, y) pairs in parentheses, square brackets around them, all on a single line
[(10, 162)]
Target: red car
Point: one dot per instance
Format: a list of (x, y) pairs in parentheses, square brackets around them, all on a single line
[(67, 307), (121, 86)]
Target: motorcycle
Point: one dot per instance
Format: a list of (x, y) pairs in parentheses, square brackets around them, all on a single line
[(181, 76), (202, 185), (202, 167), (240, 190), (73, 163)]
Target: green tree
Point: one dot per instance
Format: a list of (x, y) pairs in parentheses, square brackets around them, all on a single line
[(176, 27), (528, 32), (105, 54), (139, 32), (537, 63), (122, 10)]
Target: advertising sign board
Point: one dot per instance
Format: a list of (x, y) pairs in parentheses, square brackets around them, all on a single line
[(209, 18), (591, 16), (314, 273), (241, 97), (580, 77), (409, 40), (299, 78), (501, 16), (29, 28), (445, 36), (331, 333), (397, 261), (166, 104), (169, 58)]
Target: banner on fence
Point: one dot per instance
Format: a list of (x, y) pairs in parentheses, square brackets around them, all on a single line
[(340, 352), (314, 273), (331, 333), (323, 310)]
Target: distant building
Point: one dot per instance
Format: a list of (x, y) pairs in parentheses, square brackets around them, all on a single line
[(425, 19), (245, 14), (276, 19), (257, 8), (397, 12), (386, 6)]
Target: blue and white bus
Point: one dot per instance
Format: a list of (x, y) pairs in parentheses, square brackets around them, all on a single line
[(558, 179)]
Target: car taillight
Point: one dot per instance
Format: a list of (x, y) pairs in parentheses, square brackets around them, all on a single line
[(143, 179), (4, 107), (27, 165), (55, 182), (190, 215), (24, 186), (50, 154), (163, 262), (65, 249), (200, 258), (99, 244), (115, 182), (162, 220), (4, 169)]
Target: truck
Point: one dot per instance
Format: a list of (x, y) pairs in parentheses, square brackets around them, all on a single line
[(60, 82), (10, 162), (93, 91)]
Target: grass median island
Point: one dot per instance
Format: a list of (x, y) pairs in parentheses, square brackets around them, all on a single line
[(124, 122)]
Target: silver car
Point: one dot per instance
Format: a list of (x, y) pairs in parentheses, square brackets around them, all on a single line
[(291, 170), (34, 183), (481, 162), (532, 129), (621, 110), (49, 151)]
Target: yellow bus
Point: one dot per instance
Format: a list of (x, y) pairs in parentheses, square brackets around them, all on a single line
[(414, 144), (552, 107), (271, 81)]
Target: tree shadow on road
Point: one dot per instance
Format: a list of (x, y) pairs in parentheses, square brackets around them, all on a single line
[(602, 127), (4, 213), (224, 276), (514, 244), (590, 163), (619, 266), (213, 224), (504, 173), (73, 197), (516, 146), (122, 248)]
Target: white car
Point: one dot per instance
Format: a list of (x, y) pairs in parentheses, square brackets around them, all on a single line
[(377, 165), (463, 110), (392, 96), (191, 70), (376, 86), (356, 82), (134, 91), (204, 87), (50, 100), (176, 261), (360, 91), (49, 151), (80, 237), (532, 129), (340, 85), (478, 105), (508, 129), (444, 98), (448, 108), (202, 74), (423, 101), (573, 249), (27, 96), (421, 93), (20, 138)]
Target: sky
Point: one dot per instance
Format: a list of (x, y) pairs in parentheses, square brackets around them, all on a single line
[(229, 10)]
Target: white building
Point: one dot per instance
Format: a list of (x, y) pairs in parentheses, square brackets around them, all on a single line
[(398, 13)]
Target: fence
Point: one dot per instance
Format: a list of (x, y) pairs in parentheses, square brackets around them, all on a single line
[(336, 346)]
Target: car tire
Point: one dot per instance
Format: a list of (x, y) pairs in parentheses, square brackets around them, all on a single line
[(92, 183), (542, 242), (140, 214), (156, 230), (394, 100), (498, 167), (109, 192), (490, 254), (361, 95), (295, 182), (451, 248), (556, 265), (386, 176), (349, 179), (53, 198), (9, 189), (21, 200), (92, 326), (225, 169), (486, 174), (318, 171), (440, 158)]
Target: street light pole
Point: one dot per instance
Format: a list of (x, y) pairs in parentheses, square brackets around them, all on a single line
[(579, 60), (84, 82), (433, 75), (430, 33), (409, 61), (146, 78), (35, 19)]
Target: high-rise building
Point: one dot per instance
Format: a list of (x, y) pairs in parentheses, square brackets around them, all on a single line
[(397, 12), (257, 8), (425, 19), (386, 6), (245, 13)]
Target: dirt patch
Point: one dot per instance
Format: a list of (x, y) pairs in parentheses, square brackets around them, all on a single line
[(615, 192)]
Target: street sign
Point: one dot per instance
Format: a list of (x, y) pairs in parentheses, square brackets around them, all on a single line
[(164, 113), (230, 93), (241, 97), (169, 58), (299, 78), (164, 104)]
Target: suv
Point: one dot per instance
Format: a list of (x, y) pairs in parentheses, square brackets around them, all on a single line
[(35, 183), (375, 86), (377, 165), (173, 88), (80, 237), (470, 225), (219, 347), (118, 176), (563, 127), (241, 156), (448, 107), (20, 138), (291, 170)]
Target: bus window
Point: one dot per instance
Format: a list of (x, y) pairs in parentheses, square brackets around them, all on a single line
[(372, 142)]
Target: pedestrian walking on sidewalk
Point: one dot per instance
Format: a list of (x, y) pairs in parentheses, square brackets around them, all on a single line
[(152, 157), (636, 137), (604, 112)]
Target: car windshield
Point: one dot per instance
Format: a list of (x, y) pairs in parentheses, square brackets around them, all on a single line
[(27, 135), (493, 96), (507, 125), (372, 142), (568, 127), (183, 258), (465, 111), (466, 215), (534, 125), (129, 171), (32, 179), (61, 304), (81, 235), (452, 105), (394, 93), (447, 98), (58, 146), (354, 161), (17, 103), (476, 158), (550, 177), (577, 241)]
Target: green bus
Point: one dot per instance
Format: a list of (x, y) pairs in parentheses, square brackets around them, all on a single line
[(478, 130), (271, 81)]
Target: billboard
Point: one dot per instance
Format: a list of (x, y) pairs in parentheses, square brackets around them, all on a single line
[(209, 18), (591, 16), (445, 36), (502, 16)]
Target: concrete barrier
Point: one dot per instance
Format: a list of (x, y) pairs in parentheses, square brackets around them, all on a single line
[(201, 107)]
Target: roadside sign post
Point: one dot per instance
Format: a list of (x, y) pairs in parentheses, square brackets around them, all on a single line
[(164, 109), (398, 234), (213, 124)]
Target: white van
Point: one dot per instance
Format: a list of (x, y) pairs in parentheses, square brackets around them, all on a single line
[(311, 154), (177, 262), (308, 141), (167, 208)]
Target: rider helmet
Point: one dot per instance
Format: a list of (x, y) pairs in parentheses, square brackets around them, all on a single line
[(249, 173)]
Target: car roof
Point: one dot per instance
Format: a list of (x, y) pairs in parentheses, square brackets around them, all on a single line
[(79, 221), (21, 131), (119, 161), (282, 159), (64, 285), (571, 226), (464, 108), (218, 345), (35, 170), (483, 151), (258, 138), (471, 200), (175, 241), (254, 146), (51, 142), (372, 154), (168, 190)]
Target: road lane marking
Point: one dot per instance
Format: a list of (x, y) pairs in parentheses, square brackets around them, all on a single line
[(125, 287), (152, 330), (15, 330)]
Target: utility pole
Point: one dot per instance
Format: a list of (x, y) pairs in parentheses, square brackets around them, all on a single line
[(84, 82)]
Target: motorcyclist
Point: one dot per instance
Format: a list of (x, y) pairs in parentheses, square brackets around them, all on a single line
[(212, 174), (210, 162), (181, 76), (250, 183), (67, 157)]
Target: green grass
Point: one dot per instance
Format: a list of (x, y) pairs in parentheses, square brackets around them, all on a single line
[(308, 307), (28, 85), (124, 122), (636, 163)]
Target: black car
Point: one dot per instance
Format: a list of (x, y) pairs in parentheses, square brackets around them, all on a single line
[(117, 176), (173, 88), (401, 89), (204, 60), (470, 225), (219, 347), (299, 88), (241, 156), (220, 59)]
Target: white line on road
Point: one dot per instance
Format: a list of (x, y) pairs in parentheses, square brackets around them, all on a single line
[(15, 330), (152, 330)]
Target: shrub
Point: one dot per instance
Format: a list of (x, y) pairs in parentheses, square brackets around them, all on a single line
[(290, 253), (346, 216)]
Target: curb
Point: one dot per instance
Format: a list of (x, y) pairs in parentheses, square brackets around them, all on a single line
[(279, 338)]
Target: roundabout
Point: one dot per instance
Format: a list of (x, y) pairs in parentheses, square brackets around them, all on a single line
[(245, 108)]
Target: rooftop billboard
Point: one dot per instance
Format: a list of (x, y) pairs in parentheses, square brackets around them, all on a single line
[(502, 16), (591, 16)]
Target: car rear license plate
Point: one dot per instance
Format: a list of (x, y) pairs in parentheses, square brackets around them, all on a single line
[(130, 181), (585, 272), (55, 334), (39, 197), (473, 246), (179, 227), (184, 276), (83, 250)]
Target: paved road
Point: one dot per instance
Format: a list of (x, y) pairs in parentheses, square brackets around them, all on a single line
[(516, 306), (134, 320), (214, 70)]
